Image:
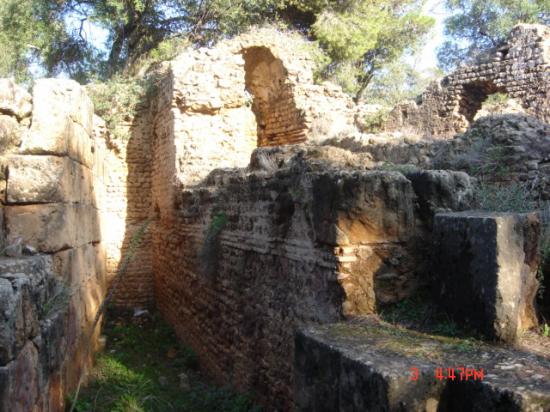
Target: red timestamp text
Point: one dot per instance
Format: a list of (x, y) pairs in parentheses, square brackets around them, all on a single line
[(457, 373)]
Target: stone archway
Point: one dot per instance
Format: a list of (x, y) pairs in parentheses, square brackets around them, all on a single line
[(279, 121), (473, 95)]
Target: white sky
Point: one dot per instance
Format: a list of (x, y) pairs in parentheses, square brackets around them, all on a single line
[(427, 57)]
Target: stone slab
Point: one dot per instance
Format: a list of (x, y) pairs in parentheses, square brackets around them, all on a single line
[(366, 366), (52, 227), (484, 270), (48, 179), (61, 121)]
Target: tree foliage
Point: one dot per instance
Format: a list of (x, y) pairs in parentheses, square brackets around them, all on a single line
[(476, 26), (364, 36), (360, 36)]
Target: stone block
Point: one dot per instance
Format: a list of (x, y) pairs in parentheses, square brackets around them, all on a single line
[(14, 99), (366, 365), (20, 381), (61, 122), (53, 227), (48, 179), (10, 134), (484, 270), (362, 207), (24, 287), (80, 264)]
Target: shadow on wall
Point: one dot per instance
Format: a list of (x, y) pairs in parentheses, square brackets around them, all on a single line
[(278, 119), (136, 289)]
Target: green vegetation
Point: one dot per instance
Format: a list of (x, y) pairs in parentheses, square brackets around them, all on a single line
[(417, 313), (501, 197), (210, 250), (401, 168), (476, 26), (58, 300), (118, 100), (545, 330), (140, 371), (360, 37), (373, 122), (496, 98)]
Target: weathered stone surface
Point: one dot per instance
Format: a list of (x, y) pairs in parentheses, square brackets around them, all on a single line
[(14, 100), (441, 191), (61, 122), (10, 134), (366, 366), (484, 270), (52, 227), (48, 179), (24, 286)]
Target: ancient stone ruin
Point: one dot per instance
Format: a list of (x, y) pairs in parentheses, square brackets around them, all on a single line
[(269, 235), (518, 68)]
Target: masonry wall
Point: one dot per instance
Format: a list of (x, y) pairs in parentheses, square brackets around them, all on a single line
[(245, 260), (127, 208), (519, 68), (52, 198)]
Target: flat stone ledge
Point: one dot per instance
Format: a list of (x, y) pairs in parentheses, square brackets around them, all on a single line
[(367, 365)]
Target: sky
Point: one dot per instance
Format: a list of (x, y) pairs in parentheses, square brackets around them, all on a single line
[(427, 58)]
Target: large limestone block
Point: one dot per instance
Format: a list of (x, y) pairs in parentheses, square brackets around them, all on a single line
[(81, 264), (48, 179), (484, 269), (14, 99), (362, 207), (61, 121), (53, 227), (10, 134)]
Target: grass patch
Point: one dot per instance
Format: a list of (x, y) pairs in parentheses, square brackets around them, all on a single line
[(418, 313), (139, 371), (513, 197)]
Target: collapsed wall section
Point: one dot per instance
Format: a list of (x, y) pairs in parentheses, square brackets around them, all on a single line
[(52, 195), (520, 68)]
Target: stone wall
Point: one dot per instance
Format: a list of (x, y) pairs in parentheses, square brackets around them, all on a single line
[(245, 258), (52, 197), (127, 207), (520, 68)]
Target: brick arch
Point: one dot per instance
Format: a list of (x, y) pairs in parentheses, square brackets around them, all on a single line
[(278, 119), (474, 94)]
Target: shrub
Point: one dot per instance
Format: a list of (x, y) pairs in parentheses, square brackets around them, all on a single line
[(374, 122), (118, 100), (514, 197)]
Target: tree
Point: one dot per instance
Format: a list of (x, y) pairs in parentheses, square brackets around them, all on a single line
[(51, 33), (362, 37), (396, 82), (476, 26)]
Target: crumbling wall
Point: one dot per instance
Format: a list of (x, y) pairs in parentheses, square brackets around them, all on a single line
[(520, 68), (51, 198)]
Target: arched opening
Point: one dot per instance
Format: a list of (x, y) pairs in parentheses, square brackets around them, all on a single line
[(279, 121), (473, 95)]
